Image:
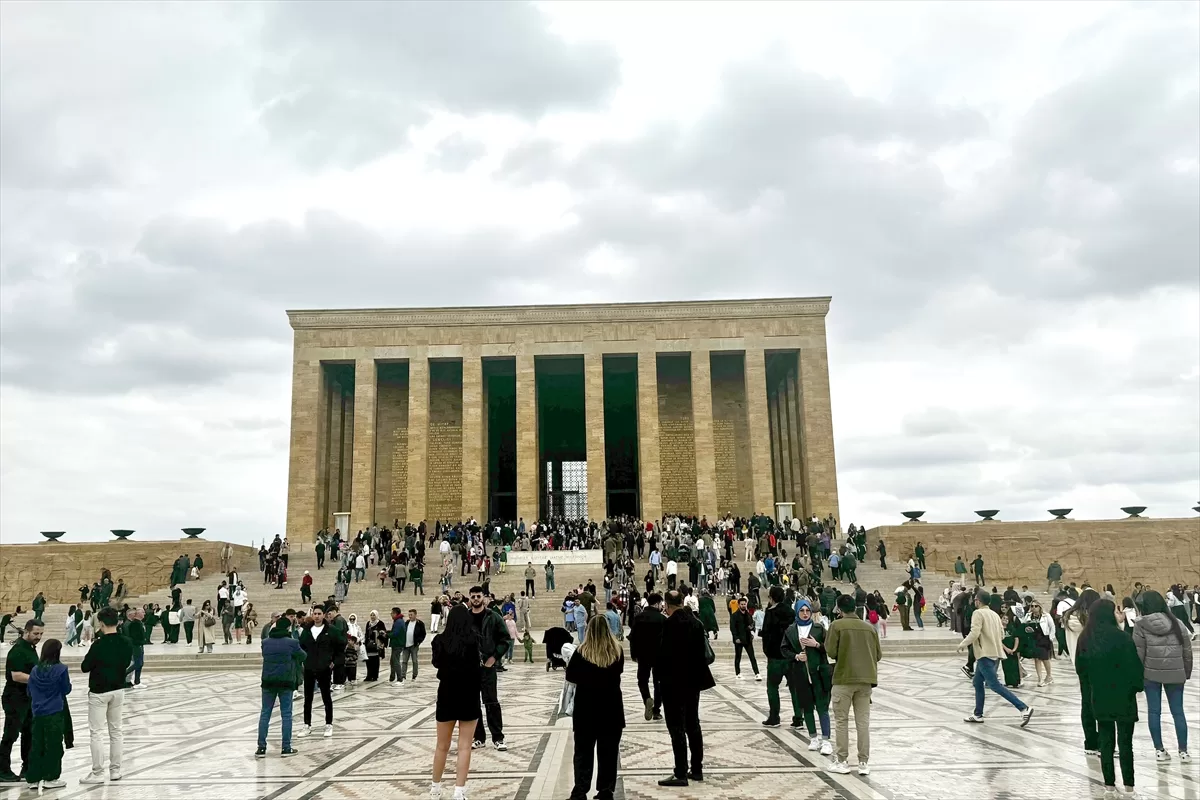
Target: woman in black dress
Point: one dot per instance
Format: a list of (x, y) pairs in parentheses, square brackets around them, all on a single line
[(456, 658), (375, 636), (599, 715)]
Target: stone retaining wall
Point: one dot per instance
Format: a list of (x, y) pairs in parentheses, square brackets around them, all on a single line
[(1157, 552), (59, 568)]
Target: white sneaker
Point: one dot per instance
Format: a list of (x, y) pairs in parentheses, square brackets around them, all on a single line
[(738, 676), (328, 731), (815, 744), (93, 777), (864, 768), (55, 784), (460, 793), (973, 718), (1184, 757), (758, 677), (826, 747), (304, 730), (500, 746), (114, 774), (1162, 755), (840, 767), (1110, 793), (435, 791)]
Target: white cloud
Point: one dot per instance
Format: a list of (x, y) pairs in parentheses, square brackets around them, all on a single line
[(1001, 198)]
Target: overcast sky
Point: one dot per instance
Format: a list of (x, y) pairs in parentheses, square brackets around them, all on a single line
[(1003, 201)]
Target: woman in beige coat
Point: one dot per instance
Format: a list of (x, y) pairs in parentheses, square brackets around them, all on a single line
[(204, 630)]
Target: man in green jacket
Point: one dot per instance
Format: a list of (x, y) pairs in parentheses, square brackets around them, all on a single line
[(854, 645)]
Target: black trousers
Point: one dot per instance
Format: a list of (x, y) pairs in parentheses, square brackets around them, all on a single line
[(339, 672), (601, 746), (1087, 718), (1116, 735), (18, 722), (529, 587), (738, 647), (645, 674), (372, 667), (311, 681), (682, 711), (188, 627), (489, 694)]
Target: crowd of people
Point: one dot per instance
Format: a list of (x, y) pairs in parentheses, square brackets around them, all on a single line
[(821, 645)]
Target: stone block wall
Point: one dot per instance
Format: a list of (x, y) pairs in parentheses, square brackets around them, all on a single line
[(731, 436), (444, 460), (59, 568), (391, 450), (676, 437), (1122, 552)]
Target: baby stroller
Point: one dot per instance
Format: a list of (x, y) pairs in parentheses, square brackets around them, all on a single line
[(941, 611), (554, 639)]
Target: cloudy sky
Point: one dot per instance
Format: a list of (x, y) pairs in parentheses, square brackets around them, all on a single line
[(1003, 201)]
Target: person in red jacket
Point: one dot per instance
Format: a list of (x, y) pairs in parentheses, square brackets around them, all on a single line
[(306, 588)]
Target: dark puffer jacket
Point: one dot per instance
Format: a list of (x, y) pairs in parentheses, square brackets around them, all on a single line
[(1165, 648)]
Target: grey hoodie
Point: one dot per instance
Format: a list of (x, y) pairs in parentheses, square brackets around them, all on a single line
[(1166, 656)]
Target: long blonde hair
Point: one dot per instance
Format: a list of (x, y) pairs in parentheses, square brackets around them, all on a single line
[(599, 645)]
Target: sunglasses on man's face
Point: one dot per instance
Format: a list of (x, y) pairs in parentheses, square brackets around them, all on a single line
[(476, 597)]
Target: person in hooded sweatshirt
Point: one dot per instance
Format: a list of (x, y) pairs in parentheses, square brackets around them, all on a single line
[(1165, 650), (49, 686)]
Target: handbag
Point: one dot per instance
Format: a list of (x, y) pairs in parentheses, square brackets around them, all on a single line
[(209, 621), (709, 655), (173, 617)]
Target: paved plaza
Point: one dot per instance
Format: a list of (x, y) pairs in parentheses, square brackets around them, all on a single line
[(191, 735)]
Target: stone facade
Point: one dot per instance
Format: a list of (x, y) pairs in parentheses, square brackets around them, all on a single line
[(58, 569), (1158, 552), (374, 427)]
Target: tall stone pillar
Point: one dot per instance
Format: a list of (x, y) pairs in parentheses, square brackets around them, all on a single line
[(473, 443), (649, 467), (795, 437), (593, 402), (527, 440), (308, 406), (362, 490), (760, 431), (418, 433), (820, 470), (702, 428)]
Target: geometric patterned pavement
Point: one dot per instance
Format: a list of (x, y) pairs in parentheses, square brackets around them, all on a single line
[(192, 735)]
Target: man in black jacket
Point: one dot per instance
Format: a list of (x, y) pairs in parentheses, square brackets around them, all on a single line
[(741, 630), (323, 644), (493, 643), (776, 621), (107, 663), (684, 666), (645, 642), (414, 634)]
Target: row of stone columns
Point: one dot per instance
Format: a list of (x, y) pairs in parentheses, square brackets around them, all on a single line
[(796, 427)]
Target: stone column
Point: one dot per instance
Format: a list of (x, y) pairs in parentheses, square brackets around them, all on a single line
[(303, 510), (795, 437), (776, 449), (472, 436), (362, 487), (418, 433), (649, 468), (820, 469), (527, 440), (702, 431), (593, 401), (760, 431)]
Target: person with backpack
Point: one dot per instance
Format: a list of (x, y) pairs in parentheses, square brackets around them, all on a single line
[(282, 657), (1166, 654)]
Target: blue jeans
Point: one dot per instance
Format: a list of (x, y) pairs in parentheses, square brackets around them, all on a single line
[(985, 673), (917, 616), (285, 714), (1174, 692), (139, 660)]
